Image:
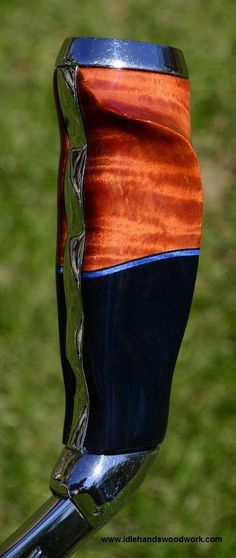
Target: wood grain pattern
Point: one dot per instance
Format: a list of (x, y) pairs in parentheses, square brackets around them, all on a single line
[(142, 185)]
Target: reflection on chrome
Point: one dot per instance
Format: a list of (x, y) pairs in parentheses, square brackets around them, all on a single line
[(79, 338), (76, 255), (78, 161), (99, 484), (120, 53), (54, 531), (74, 249)]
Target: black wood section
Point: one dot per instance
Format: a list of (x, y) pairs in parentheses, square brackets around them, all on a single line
[(134, 324)]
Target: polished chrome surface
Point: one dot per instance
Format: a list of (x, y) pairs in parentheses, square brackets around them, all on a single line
[(37, 553), (78, 161), (73, 193), (99, 484), (118, 53), (76, 255), (54, 531), (79, 337)]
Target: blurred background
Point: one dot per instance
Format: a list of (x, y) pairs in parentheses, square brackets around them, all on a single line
[(190, 490)]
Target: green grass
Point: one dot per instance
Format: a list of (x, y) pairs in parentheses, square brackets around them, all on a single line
[(190, 489)]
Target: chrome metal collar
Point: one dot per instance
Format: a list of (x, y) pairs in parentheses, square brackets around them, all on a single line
[(99, 484), (122, 54), (88, 489)]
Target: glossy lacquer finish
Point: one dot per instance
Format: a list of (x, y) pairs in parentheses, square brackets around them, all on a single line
[(142, 187), (142, 197), (128, 238), (134, 323)]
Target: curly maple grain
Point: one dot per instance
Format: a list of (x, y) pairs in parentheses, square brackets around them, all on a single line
[(142, 185)]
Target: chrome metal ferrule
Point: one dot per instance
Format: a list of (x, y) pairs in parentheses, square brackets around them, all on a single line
[(99, 484), (87, 491), (122, 54)]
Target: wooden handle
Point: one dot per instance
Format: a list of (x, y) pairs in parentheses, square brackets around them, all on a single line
[(142, 209), (142, 186)]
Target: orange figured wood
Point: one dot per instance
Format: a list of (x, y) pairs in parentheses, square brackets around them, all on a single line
[(61, 213), (142, 185)]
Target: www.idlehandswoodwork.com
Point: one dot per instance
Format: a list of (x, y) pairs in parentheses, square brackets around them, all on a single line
[(158, 539)]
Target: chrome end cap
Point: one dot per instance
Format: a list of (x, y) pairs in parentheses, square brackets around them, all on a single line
[(122, 54)]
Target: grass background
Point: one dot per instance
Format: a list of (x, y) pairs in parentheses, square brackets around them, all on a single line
[(190, 489)]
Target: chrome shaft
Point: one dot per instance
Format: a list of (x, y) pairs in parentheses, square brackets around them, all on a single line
[(54, 531)]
